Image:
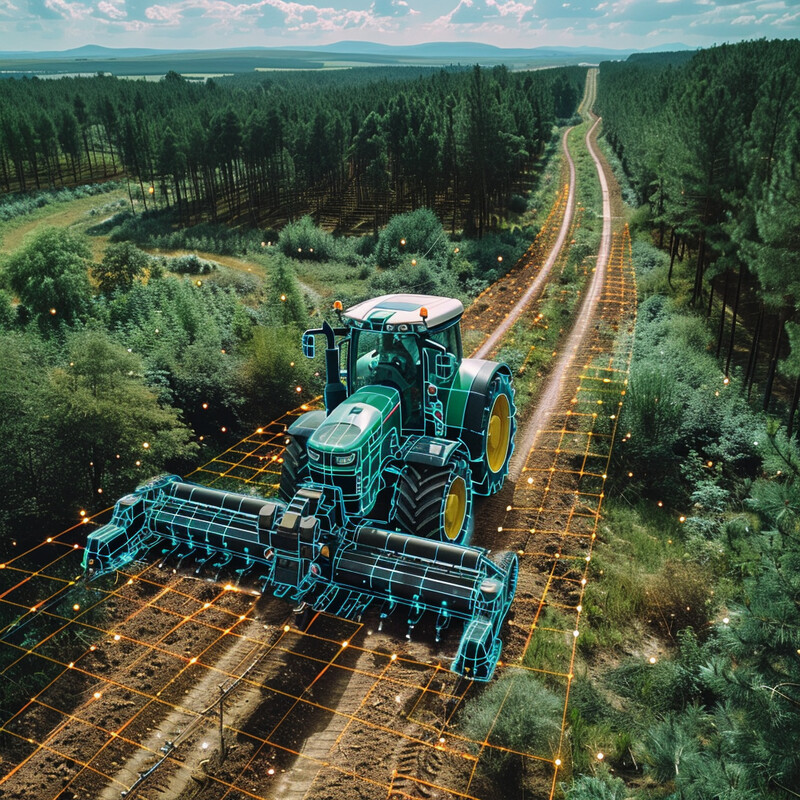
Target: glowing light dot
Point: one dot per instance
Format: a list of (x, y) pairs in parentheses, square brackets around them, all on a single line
[(205, 745), (576, 634), (228, 587), (583, 581), (271, 771), (145, 445), (508, 508), (199, 283), (49, 539), (681, 518), (298, 388), (726, 620), (206, 605), (283, 298), (403, 242), (652, 659), (205, 405), (193, 660), (97, 695), (579, 608), (117, 637), (76, 607), (138, 463), (394, 657), (441, 740), (500, 258), (242, 618), (224, 429), (53, 311), (286, 629), (726, 381), (530, 480), (600, 756), (558, 762), (71, 664), (413, 262), (345, 643), (82, 513), (660, 504)]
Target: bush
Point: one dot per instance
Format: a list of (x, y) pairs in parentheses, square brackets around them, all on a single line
[(515, 712), (517, 204), (304, 240), (190, 264), (415, 234), (423, 278)]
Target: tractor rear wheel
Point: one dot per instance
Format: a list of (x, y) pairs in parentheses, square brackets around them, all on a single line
[(436, 502), (295, 469)]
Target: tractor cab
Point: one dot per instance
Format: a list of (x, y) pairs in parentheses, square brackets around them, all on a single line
[(408, 342)]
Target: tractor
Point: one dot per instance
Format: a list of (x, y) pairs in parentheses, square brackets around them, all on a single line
[(375, 494), (411, 430)]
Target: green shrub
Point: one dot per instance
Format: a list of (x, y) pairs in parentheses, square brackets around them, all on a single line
[(415, 234), (516, 712), (304, 240)]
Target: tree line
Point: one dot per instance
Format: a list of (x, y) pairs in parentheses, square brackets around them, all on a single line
[(257, 148), (712, 147)]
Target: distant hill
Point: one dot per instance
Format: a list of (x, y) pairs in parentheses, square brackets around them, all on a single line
[(122, 62)]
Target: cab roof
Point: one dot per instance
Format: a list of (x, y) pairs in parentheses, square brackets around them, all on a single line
[(399, 309)]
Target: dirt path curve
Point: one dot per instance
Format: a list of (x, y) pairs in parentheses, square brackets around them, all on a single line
[(549, 399)]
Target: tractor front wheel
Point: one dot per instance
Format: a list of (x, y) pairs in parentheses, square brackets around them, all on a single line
[(436, 502)]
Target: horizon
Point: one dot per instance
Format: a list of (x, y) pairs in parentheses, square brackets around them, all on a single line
[(57, 25)]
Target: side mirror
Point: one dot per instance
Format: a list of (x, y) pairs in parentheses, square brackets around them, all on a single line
[(309, 345), (445, 366)]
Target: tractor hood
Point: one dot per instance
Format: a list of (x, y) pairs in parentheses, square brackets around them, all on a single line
[(351, 424)]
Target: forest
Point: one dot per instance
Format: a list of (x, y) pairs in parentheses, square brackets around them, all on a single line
[(690, 674), (253, 149), (108, 346)]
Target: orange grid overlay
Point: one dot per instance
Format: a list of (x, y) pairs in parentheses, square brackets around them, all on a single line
[(85, 734)]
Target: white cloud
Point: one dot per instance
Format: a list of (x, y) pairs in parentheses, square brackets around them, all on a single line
[(110, 10)]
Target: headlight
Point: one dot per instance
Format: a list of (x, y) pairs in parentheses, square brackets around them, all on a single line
[(343, 461), (313, 455)]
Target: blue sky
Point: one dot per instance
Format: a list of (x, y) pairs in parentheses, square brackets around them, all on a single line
[(61, 24)]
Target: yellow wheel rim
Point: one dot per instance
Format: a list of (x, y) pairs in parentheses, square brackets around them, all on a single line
[(498, 434), (455, 508)]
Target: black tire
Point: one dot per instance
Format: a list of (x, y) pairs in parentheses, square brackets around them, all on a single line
[(295, 469), (499, 417), (422, 501)]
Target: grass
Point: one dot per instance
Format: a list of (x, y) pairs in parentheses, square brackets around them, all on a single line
[(81, 213)]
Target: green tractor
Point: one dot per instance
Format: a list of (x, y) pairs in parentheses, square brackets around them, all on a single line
[(411, 430)]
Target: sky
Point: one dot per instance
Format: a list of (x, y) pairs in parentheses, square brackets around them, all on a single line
[(193, 24)]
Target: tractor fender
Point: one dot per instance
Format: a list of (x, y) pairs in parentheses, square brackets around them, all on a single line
[(306, 424), (432, 451), (466, 402)]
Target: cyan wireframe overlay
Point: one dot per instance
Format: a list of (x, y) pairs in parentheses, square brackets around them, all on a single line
[(376, 491)]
